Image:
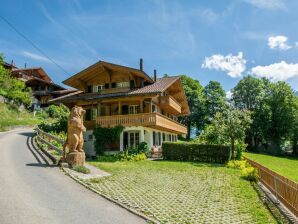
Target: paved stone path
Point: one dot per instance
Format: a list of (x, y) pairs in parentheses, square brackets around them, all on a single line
[(33, 191)]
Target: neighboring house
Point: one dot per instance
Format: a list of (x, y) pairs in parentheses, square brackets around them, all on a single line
[(117, 95), (43, 88)]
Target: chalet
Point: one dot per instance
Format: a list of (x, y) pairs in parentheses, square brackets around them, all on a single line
[(114, 95), (43, 88)]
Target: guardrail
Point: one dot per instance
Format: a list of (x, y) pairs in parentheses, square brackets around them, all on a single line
[(284, 189), (46, 138)]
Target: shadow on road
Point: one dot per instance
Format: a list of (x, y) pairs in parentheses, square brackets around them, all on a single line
[(28, 134), (41, 159)]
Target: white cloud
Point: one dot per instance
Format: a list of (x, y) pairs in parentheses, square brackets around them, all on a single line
[(233, 65), (229, 94), (278, 42), (277, 72), (35, 56), (267, 4), (209, 15)]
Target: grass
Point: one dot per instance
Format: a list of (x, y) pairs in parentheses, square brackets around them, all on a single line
[(285, 166), (81, 169), (181, 192), (11, 116)]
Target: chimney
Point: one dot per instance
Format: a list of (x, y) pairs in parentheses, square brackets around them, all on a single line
[(154, 77), (141, 64), (25, 65)]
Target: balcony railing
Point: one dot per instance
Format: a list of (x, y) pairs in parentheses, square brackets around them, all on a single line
[(170, 103), (153, 120)]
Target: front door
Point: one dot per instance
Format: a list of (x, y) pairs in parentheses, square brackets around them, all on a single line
[(131, 139)]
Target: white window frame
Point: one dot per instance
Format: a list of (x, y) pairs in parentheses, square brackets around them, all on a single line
[(93, 114), (134, 109), (136, 140), (122, 85)]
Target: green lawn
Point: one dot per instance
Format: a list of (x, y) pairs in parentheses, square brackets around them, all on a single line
[(286, 166), (181, 192), (10, 116)]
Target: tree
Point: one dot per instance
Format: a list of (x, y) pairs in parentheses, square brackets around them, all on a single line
[(194, 94), (281, 101), (228, 126), (215, 98), (295, 131), (12, 88), (248, 93)]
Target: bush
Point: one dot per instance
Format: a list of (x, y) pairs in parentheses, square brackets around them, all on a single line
[(143, 147), (249, 173), (195, 152), (126, 156), (237, 164), (81, 169), (60, 111), (104, 136)]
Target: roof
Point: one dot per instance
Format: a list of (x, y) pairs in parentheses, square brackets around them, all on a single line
[(158, 87), (41, 72), (44, 81), (105, 67)]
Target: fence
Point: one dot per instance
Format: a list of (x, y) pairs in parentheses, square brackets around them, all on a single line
[(284, 189), (46, 138)]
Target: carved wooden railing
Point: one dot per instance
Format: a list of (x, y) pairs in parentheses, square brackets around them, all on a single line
[(46, 138), (145, 119)]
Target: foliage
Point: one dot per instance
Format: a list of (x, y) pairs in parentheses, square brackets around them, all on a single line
[(11, 116), (215, 98), (13, 88), (59, 125), (105, 136), (195, 152), (228, 126), (81, 169), (143, 147), (126, 156), (196, 102), (273, 109), (60, 111), (106, 158), (247, 171)]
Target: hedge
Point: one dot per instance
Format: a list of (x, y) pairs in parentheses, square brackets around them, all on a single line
[(195, 152)]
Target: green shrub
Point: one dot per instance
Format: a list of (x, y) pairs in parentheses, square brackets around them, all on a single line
[(81, 169), (237, 164), (126, 156), (105, 136), (195, 152), (249, 173), (55, 111), (143, 147)]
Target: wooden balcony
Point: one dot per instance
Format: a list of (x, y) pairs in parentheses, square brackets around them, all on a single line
[(170, 104), (153, 120)]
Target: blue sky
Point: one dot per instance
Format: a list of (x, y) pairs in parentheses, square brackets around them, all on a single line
[(207, 40)]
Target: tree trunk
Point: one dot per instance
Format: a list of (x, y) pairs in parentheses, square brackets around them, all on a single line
[(233, 148)]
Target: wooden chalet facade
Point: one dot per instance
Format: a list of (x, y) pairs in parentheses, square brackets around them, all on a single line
[(117, 95), (42, 86)]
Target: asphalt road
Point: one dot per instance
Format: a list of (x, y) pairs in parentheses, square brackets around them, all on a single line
[(33, 192)]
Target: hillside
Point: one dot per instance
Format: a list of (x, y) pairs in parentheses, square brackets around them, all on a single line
[(11, 116)]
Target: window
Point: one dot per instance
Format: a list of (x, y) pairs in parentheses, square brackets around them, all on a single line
[(159, 138), (89, 89), (107, 85), (93, 114), (122, 85), (163, 137), (134, 109), (97, 88), (153, 135), (88, 115), (134, 139), (113, 85), (154, 108), (170, 137), (132, 84)]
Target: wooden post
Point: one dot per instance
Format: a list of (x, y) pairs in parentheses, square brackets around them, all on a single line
[(141, 106), (119, 107)]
